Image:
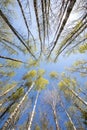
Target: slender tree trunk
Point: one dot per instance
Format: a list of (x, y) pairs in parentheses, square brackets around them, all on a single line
[(78, 43), (33, 111), (75, 94), (6, 46), (11, 44), (83, 91), (74, 33), (48, 10), (6, 109), (74, 128), (38, 24), (15, 32), (55, 118), (23, 14), (3, 94), (7, 91), (11, 118), (43, 15), (73, 38), (69, 9), (61, 17)]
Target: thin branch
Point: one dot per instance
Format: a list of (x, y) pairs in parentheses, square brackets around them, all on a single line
[(11, 118)]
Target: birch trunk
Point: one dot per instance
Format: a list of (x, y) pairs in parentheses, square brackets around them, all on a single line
[(74, 128), (74, 93), (15, 32), (11, 118), (6, 109), (25, 20), (83, 91), (7, 91), (33, 111), (37, 20), (68, 12), (55, 118)]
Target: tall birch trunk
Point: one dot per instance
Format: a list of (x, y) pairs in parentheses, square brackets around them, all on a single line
[(55, 118), (75, 94), (33, 111), (74, 128), (11, 118), (15, 32), (25, 20), (68, 12)]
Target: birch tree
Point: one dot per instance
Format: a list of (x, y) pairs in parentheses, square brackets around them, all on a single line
[(51, 97), (40, 84), (10, 120)]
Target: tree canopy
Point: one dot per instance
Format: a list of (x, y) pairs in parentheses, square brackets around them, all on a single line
[(43, 58)]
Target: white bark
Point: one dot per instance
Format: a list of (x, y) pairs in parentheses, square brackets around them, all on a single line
[(75, 94), (33, 112), (11, 118), (74, 128), (55, 118), (7, 91)]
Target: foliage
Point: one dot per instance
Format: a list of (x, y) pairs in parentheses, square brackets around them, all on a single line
[(37, 127), (52, 28), (1, 82), (41, 83), (54, 74), (31, 74), (33, 63), (11, 74), (40, 72), (79, 62), (16, 95), (2, 73), (83, 48), (80, 67), (69, 125), (84, 116), (8, 86), (7, 2), (67, 82), (13, 64), (1, 65), (7, 73), (13, 107), (28, 84)]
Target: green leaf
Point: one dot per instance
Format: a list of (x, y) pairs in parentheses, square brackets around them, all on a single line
[(31, 74), (54, 74), (41, 83)]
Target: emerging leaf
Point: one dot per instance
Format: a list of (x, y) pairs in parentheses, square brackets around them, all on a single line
[(13, 64), (11, 74), (83, 48), (16, 95), (40, 72), (54, 74), (30, 74), (41, 83)]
